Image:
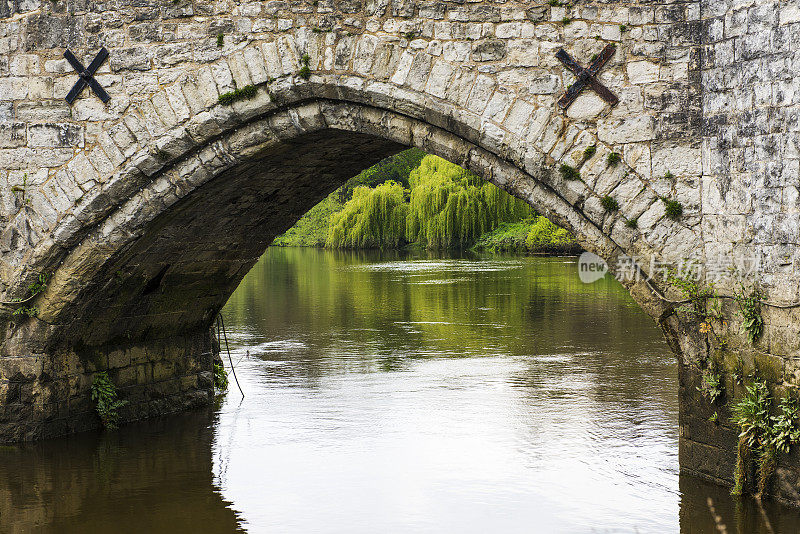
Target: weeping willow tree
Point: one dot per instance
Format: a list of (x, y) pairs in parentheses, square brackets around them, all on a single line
[(372, 218), (451, 207)]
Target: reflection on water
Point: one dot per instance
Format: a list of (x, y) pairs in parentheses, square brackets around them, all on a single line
[(397, 394)]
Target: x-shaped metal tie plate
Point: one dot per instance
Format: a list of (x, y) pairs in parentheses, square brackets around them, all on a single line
[(586, 77), (87, 76)]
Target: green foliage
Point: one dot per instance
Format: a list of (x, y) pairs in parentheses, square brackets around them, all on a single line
[(534, 235), (764, 435), (451, 207), (696, 295), (672, 209), (623, 28), (711, 384), (569, 173), (220, 40), (613, 159), (305, 70), (104, 395), (373, 218), (312, 228), (220, 377), (751, 415), (749, 301), (36, 287), (547, 237), (26, 311), (785, 431), (447, 207), (396, 168), (23, 189), (632, 223), (246, 92), (566, 20), (589, 151), (554, 3), (609, 203)]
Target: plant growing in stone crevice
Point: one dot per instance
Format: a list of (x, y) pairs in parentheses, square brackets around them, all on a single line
[(220, 378), (36, 287), (762, 435), (21, 191), (672, 208), (749, 301), (305, 70), (589, 151), (569, 172), (711, 384), (609, 203), (613, 159), (246, 92), (697, 296), (104, 395)]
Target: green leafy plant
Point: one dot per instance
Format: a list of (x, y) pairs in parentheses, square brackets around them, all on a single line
[(104, 395), (672, 209), (632, 223), (749, 301), (305, 70), (714, 418), (220, 40), (613, 159), (589, 151), (554, 3), (22, 190), (696, 295), (711, 385), (569, 172), (623, 28), (609, 203), (751, 415), (26, 311), (220, 377), (246, 92), (785, 431), (566, 20)]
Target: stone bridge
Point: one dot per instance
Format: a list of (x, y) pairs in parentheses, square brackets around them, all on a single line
[(125, 226)]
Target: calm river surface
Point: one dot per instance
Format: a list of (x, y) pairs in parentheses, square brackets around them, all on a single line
[(389, 393)]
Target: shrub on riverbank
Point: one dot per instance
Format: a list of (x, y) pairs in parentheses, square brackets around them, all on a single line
[(532, 235)]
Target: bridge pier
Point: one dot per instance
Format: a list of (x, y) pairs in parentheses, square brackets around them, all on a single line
[(44, 395)]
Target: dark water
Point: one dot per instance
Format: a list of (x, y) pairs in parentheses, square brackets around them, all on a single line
[(401, 394)]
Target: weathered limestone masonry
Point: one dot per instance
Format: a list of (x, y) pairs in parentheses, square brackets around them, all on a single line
[(143, 215)]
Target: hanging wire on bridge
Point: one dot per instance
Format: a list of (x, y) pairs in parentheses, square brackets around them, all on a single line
[(221, 327)]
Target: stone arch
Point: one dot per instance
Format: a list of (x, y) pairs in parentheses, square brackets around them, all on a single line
[(167, 172)]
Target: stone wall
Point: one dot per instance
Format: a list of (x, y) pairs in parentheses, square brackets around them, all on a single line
[(45, 397), (148, 211)]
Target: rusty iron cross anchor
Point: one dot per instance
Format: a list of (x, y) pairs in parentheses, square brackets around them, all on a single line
[(586, 77), (87, 76)]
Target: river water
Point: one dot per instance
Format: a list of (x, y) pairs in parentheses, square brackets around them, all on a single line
[(401, 393)]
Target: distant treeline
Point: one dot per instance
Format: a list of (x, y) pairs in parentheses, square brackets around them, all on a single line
[(414, 199)]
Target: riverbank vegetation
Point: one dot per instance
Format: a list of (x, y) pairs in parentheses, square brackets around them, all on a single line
[(423, 201)]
